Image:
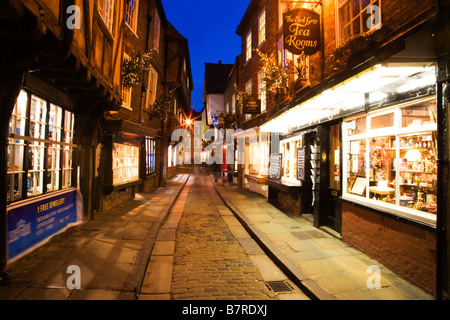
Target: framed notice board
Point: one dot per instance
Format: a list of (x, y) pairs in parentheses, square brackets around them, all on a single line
[(301, 163), (275, 166)]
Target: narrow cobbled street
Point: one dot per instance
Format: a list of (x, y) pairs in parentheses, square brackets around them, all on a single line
[(210, 254)]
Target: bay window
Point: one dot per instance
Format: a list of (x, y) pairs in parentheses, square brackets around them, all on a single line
[(390, 159), (40, 148)]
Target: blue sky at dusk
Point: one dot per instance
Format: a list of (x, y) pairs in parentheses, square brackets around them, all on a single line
[(210, 27)]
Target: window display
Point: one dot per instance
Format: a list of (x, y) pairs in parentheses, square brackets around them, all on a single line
[(258, 156), (40, 144), (289, 159), (390, 158), (125, 163), (150, 156)]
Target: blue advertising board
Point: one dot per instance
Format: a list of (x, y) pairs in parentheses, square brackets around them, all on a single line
[(32, 222)]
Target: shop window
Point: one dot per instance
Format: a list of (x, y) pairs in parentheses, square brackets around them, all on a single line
[(335, 158), (169, 156), (289, 159), (393, 163), (150, 156), (40, 144), (69, 133), (253, 158), (125, 163), (356, 16)]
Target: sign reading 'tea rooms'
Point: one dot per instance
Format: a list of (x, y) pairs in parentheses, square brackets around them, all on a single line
[(301, 30)]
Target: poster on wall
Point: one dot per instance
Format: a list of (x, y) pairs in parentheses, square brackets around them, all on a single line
[(275, 166), (32, 222), (301, 30)]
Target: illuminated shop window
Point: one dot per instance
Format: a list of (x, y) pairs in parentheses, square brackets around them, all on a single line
[(125, 163), (40, 148), (289, 159), (150, 156), (390, 158)]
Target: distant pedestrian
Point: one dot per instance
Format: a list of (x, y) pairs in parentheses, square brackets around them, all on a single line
[(215, 167), (216, 171)]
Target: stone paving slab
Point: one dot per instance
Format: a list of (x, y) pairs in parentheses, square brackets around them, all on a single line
[(322, 265), (112, 251)]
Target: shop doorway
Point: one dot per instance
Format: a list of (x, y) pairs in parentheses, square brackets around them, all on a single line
[(333, 209)]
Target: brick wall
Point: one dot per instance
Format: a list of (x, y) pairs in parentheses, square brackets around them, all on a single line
[(404, 249), (286, 202), (117, 197)]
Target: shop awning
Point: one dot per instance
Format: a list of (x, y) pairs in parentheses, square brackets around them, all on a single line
[(378, 86)]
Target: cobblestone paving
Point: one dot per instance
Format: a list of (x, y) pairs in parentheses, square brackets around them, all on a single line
[(209, 262)]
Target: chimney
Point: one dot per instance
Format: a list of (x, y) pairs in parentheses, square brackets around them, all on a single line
[(220, 61)]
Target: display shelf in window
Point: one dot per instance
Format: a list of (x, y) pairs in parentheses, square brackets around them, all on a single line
[(35, 144), (418, 172), (125, 164), (390, 160)]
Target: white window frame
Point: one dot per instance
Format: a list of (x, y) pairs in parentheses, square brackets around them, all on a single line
[(233, 104), (340, 4), (132, 12), (126, 92), (156, 31), (262, 91), (292, 176), (106, 10), (262, 27), (248, 46), (248, 91), (152, 87)]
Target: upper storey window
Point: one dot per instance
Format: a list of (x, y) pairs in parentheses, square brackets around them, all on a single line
[(357, 16), (131, 14), (106, 10)]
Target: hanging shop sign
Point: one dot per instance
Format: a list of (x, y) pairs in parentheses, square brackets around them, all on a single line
[(252, 106), (301, 30)]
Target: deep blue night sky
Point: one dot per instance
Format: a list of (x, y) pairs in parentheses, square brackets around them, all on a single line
[(210, 27)]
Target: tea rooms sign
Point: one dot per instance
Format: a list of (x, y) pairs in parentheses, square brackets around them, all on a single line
[(301, 30)]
